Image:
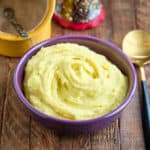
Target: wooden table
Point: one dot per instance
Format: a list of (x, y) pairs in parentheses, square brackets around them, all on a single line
[(19, 131)]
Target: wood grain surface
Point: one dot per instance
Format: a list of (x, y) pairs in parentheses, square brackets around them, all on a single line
[(19, 131)]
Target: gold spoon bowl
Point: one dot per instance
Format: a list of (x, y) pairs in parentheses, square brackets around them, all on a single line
[(136, 44)]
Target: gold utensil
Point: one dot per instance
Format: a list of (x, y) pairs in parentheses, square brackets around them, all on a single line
[(136, 44)]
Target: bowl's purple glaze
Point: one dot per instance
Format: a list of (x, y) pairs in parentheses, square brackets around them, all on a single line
[(112, 52)]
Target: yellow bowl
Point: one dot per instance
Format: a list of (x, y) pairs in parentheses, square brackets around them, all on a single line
[(13, 45)]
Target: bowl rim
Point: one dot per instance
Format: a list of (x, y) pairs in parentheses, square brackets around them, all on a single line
[(50, 7), (36, 48)]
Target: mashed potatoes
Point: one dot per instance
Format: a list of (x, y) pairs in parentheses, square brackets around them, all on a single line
[(70, 81)]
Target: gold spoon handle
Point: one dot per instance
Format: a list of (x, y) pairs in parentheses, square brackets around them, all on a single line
[(146, 108)]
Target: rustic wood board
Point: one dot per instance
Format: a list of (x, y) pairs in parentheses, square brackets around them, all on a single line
[(19, 131)]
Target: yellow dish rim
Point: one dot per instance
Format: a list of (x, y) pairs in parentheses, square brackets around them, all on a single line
[(47, 15)]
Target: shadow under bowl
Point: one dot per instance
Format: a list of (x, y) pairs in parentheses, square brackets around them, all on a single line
[(113, 53)]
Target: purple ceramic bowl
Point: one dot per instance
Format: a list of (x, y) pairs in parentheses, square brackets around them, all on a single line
[(106, 48)]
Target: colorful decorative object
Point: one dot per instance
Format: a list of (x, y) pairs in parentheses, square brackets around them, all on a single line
[(79, 14)]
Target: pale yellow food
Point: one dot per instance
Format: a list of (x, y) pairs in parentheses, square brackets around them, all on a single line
[(70, 81)]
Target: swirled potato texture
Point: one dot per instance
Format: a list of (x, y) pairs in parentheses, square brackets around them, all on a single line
[(70, 81)]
